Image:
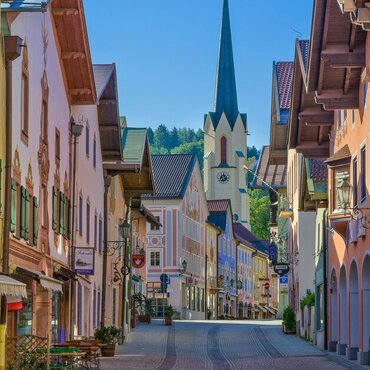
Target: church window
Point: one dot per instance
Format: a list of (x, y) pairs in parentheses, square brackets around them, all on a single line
[(223, 149)]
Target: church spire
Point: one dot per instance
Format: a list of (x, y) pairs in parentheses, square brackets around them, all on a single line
[(225, 94)]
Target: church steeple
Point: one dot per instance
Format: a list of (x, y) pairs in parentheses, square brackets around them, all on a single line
[(225, 94)]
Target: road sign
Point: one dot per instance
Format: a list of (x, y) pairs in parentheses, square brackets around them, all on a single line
[(284, 281), (164, 278), (267, 285), (272, 251), (281, 269)]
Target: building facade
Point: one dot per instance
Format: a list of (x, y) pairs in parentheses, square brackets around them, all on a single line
[(225, 134)]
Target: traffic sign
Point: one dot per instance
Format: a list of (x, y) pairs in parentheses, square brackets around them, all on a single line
[(284, 281), (267, 285), (272, 252), (281, 269), (164, 278)]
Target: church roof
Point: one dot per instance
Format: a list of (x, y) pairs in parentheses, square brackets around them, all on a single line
[(171, 174), (226, 100)]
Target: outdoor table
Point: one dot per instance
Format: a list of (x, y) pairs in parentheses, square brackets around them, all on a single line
[(67, 360)]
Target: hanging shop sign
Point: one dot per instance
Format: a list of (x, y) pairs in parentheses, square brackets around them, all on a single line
[(267, 285), (84, 260), (239, 284), (281, 269), (138, 261)]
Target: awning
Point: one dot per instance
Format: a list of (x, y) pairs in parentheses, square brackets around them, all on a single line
[(261, 308), (270, 310), (340, 158), (12, 287), (45, 281), (14, 303)]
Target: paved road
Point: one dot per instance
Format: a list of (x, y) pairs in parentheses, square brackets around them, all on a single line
[(219, 345)]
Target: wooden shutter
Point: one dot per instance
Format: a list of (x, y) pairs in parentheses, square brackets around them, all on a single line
[(13, 211), (35, 224), (23, 212), (62, 214), (55, 208), (27, 215)]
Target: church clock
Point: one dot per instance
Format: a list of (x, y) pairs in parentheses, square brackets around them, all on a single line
[(223, 177)]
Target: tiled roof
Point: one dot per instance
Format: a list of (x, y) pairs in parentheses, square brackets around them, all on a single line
[(318, 169), (171, 174), (273, 175), (284, 72), (305, 50), (245, 236), (133, 144), (216, 206)]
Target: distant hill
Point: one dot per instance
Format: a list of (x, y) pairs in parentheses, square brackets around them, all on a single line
[(182, 141)]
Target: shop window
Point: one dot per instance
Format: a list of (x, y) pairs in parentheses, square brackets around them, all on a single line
[(188, 298), (363, 174), (202, 300), (155, 258), (24, 316), (55, 317), (197, 298), (193, 298)]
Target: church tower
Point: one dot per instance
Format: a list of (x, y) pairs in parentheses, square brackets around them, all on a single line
[(225, 134)]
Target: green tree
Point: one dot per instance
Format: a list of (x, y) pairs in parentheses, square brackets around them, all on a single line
[(161, 137), (253, 152), (150, 136), (174, 138), (259, 213)]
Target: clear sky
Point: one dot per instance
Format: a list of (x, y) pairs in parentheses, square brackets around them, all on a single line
[(166, 54)]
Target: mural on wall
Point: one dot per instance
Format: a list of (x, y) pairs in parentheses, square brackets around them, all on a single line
[(192, 200)]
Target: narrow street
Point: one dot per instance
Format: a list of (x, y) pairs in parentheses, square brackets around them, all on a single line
[(218, 346)]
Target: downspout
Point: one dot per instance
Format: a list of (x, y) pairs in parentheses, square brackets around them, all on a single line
[(325, 273), (12, 52), (107, 181)]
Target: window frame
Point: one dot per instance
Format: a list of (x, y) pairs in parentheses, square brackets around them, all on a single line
[(363, 188)]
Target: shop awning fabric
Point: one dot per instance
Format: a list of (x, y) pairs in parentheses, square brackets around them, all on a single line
[(12, 287), (45, 281)]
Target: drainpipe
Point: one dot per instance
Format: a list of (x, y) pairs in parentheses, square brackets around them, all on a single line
[(325, 271), (12, 51), (107, 181)]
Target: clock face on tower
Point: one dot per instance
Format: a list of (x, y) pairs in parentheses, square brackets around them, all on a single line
[(223, 177)]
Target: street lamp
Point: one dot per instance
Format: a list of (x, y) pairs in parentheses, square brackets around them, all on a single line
[(344, 193), (184, 266), (125, 229)]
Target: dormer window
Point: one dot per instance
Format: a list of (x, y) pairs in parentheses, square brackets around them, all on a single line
[(223, 150)]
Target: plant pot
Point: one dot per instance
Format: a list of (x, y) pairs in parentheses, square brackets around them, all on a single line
[(145, 318), (168, 320), (108, 350), (288, 330)]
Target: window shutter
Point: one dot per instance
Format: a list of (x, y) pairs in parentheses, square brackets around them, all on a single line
[(69, 218), (27, 214), (62, 213), (23, 212), (13, 211), (35, 225), (55, 208)]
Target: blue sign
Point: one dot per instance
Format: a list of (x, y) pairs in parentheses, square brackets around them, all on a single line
[(164, 278), (272, 251), (284, 279)]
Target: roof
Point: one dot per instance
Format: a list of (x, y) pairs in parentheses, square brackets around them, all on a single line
[(273, 175), (284, 76), (318, 170), (305, 52), (171, 174), (133, 144), (340, 157), (102, 75), (23, 5), (11, 287), (245, 236), (220, 205), (218, 212)]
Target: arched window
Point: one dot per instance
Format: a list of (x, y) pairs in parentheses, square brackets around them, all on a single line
[(223, 149)]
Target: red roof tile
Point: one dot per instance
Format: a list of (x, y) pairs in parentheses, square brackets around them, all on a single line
[(318, 169), (219, 205), (285, 81)]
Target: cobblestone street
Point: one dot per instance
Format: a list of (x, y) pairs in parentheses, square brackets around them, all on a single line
[(219, 345)]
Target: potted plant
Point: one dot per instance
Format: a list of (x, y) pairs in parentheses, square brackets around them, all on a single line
[(109, 335), (289, 321), (148, 311), (168, 313)]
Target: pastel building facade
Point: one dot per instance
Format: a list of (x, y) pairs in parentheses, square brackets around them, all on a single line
[(180, 205)]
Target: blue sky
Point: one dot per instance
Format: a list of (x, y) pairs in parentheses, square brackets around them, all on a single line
[(166, 55)]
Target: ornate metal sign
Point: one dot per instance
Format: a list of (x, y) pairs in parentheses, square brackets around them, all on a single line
[(138, 260)]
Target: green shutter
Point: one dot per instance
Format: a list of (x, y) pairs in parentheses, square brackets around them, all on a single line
[(62, 214), (13, 211), (28, 215), (35, 224), (23, 212), (55, 208), (69, 218)]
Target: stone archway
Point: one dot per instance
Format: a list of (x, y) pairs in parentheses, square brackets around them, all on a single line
[(334, 311), (366, 303), (343, 311), (354, 313)]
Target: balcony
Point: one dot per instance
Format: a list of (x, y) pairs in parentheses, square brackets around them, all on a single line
[(285, 208)]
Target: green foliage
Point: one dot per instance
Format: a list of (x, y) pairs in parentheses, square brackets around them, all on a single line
[(307, 300), (193, 148), (169, 311), (148, 307), (31, 359), (209, 314), (108, 334), (289, 318), (259, 213)]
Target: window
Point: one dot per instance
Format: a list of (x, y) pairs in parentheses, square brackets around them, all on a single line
[(24, 101), (87, 132), (339, 175), (364, 94), (94, 152), (44, 121), (363, 174), (100, 235), (223, 150), (25, 213), (155, 227), (14, 208), (193, 298), (88, 222), (57, 145), (339, 120), (155, 259), (80, 212), (95, 230), (354, 181), (43, 206), (56, 209)]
